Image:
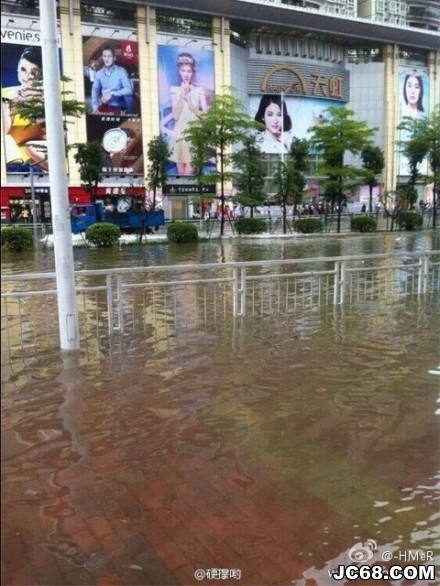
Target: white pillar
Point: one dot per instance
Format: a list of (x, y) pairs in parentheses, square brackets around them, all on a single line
[(59, 199)]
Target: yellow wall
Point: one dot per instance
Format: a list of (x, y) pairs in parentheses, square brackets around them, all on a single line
[(391, 71), (71, 42)]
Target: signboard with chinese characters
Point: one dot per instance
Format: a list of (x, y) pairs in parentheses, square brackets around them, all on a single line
[(171, 189), (303, 80)]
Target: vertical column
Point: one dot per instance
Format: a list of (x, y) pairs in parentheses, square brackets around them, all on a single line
[(434, 78), (70, 29), (64, 267), (391, 70), (222, 60), (146, 31), (222, 53)]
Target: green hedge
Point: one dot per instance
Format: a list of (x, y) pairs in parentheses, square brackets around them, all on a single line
[(103, 235), (250, 226), (409, 221), (182, 232), (16, 238), (308, 225), (363, 224)]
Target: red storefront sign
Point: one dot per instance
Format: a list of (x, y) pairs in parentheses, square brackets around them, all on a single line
[(77, 195)]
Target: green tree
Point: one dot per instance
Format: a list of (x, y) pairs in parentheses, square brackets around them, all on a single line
[(198, 160), (424, 136), (299, 150), (222, 126), (158, 154), (373, 162), (339, 134), (285, 178), (250, 174), (415, 151), (90, 159), (31, 108)]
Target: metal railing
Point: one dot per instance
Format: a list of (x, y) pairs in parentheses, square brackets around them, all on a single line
[(159, 301)]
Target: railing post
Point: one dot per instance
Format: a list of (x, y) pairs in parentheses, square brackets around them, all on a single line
[(239, 292), (115, 318), (111, 317), (342, 282), (120, 304), (422, 284), (336, 283)]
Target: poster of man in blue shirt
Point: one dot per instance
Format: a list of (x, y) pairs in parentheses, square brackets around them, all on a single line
[(112, 91), (112, 97)]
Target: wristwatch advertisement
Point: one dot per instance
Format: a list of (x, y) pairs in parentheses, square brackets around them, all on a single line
[(115, 140)]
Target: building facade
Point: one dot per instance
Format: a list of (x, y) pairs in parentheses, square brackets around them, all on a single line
[(144, 69)]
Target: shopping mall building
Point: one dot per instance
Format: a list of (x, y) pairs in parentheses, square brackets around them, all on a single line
[(363, 54)]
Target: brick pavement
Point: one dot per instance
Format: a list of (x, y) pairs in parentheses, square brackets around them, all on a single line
[(161, 530)]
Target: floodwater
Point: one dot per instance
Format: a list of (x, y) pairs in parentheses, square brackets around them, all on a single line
[(269, 446)]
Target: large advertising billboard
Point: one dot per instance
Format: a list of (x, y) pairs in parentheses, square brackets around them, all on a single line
[(24, 143), (413, 102), (285, 117), (186, 87), (113, 118)]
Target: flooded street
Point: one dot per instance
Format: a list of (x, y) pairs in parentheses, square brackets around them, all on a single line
[(266, 447)]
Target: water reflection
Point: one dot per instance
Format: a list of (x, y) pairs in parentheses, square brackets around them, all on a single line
[(225, 250), (302, 435), (272, 443)]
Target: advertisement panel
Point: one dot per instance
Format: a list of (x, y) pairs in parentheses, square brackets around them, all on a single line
[(24, 142), (413, 96), (111, 82), (286, 117), (186, 87)]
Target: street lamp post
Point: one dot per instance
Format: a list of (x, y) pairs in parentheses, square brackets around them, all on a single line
[(282, 127), (34, 205), (64, 267)]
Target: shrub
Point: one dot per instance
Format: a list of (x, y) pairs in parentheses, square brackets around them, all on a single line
[(182, 232), (363, 224), (409, 220), (16, 238), (103, 234), (308, 225), (250, 226)]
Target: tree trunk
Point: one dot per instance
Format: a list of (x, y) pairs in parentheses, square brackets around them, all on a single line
[(222, 197), (370, 203), (284, 218), (338, 226)]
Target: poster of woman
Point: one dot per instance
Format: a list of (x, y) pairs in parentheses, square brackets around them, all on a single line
[(24, 142), (413, 92), (186, 87), (286, 117)]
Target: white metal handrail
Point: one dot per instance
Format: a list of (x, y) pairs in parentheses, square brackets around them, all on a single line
[(176, 293)]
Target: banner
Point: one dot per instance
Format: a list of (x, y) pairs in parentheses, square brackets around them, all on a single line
[(286, 117), (186, 87), (413, 101), (21, 61), (113, 119)]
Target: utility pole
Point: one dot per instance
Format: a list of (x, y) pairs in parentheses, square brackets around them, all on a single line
[(34, 205), (59, 199)]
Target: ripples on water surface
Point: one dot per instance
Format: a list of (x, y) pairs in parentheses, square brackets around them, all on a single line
[(272, 444), (228, 250), (268, 444)]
